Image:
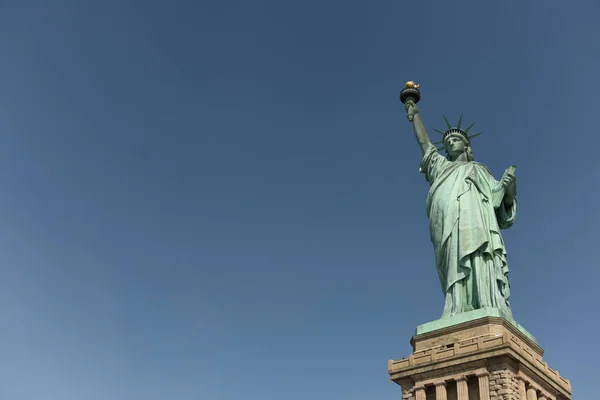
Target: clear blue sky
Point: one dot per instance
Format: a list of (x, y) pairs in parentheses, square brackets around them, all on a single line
[(221, 200)]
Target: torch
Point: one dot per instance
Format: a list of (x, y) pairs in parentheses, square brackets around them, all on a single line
[(410, 92)]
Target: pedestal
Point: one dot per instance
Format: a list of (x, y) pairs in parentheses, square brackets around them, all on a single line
[(487, 358)]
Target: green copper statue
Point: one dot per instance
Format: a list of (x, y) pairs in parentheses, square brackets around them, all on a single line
[(467, 208)]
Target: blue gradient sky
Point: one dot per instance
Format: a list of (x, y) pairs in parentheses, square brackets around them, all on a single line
[(222, 200)]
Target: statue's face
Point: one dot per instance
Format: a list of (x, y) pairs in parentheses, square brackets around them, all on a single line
[(455, 146)]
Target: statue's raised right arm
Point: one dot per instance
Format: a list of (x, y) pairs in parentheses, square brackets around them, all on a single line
[(413, 115)]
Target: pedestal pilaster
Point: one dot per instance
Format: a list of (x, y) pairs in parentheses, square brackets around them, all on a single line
[(462, 390), (420, 392), (440, 390), (531, 393), (483, 379)]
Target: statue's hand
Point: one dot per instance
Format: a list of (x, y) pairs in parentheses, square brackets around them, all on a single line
[(411, 109), (509, 181)]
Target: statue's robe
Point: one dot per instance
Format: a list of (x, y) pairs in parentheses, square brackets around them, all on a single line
[(466, 212)]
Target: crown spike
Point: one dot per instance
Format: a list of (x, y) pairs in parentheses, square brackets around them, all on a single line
[(470, 126), (439, 131), (447, 123), (475, 134), (459, 121)]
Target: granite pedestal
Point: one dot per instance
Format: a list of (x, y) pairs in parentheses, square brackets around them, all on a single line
[(482, 356)]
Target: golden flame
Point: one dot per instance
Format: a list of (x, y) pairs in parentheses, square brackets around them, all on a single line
[(411, 84)]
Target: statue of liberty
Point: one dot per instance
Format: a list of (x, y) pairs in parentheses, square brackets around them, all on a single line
[(467, 208)]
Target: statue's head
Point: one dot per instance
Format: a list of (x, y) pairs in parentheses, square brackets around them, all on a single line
[(456, 144), (456, 141)]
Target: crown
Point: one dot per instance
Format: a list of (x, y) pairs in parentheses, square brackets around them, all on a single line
[(455, 130)]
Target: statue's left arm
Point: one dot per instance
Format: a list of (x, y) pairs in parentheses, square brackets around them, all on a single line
[(505, 214), (507, 209), (509, 183)]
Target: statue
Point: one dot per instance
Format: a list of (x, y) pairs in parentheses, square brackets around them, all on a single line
[(466, 208)]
